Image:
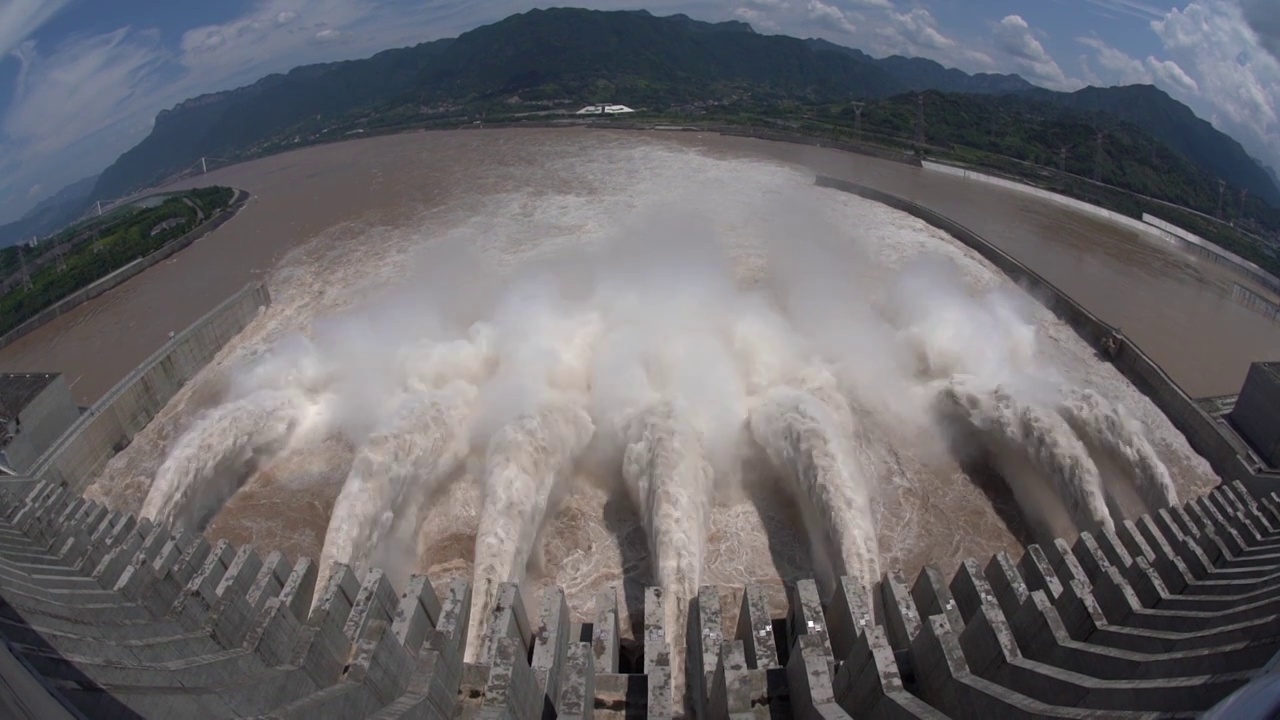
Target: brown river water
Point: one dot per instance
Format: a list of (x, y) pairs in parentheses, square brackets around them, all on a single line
[(331, 227)]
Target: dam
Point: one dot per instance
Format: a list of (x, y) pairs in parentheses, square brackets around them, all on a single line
[(654, 639)]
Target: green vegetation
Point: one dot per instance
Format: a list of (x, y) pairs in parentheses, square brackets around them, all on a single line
[(90, 251)]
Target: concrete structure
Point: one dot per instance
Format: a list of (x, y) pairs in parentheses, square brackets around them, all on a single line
[(105, 615), (606, 109), (110, 616), (35, 410), (1207, 435), (1212, 252), (1257, 412), (166, 225), (108, 426), (1149, 224)]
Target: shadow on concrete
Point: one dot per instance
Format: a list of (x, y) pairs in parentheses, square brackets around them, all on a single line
[(66, 693), (621, 519)]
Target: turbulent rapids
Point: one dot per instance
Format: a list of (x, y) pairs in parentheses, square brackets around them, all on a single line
[(807, 435), (669, 406), (523, 465)]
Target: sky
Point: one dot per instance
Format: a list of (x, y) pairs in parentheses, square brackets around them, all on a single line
[(82, 80)]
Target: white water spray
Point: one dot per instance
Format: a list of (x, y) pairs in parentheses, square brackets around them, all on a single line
[(1111, 432), (804, 435), (670, 481), (525, 461), (214, 458), (419, 450), (1011, 427)]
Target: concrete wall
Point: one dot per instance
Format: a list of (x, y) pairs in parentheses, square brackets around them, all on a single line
[(43, 421), (1150, 224), (1205, 435), (1257, 411), (1166, 614), (1255, 301), (1053, 197), (1212, 252), (122, 275), (111, 424)]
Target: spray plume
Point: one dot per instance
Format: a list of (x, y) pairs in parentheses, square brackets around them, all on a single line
[(1111, 432), (525, 461), (669, 480), (805, 433), (1009, 426), (214, 458), (422, 447)]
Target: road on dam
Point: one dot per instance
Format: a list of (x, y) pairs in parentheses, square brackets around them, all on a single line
[(1177, 308)]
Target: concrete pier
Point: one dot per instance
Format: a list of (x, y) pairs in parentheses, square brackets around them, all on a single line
[(107, 616)]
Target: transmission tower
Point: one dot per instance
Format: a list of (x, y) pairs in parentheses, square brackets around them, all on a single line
[(1098, 156), (1222, 189), (1244, 197), (920, 119), (60, 252), (857, 117), (1062, 158), (26, 277)]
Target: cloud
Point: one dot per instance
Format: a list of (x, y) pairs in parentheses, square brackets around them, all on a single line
[(1238, 78), (1263, 17), (74, 106), (1132, 8), (253, 44), (916, 33), (831, 17), (1014, 37), (19, 19), (1119, 68), (756, 18)]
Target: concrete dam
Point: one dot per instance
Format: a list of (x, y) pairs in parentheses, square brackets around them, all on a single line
[(117, 617), (542, 516)]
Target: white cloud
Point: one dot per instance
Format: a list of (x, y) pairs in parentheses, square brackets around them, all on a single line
[(1169, 74), (84, 86), (1014, 37), (916, 33), (75, 108), (831, 17), (20, 18), (1132, 8), (1119, 68), (758, 19), (1238, 78)]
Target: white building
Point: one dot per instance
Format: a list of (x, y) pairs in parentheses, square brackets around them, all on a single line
[(605, 110)]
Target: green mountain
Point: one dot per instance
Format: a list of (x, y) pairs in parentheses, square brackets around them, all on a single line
[(1176, 125), (53, 213), (232, 123), (546, 60), (917, 74)]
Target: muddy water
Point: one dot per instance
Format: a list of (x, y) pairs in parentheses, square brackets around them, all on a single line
[(332, 225), (1176, 307)]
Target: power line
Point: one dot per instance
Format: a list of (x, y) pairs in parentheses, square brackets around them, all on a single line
[(920, 119)]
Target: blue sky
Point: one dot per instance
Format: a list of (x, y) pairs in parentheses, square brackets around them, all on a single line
[(82, 80)]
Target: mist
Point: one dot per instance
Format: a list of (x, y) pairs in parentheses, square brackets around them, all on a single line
[(652, 367)]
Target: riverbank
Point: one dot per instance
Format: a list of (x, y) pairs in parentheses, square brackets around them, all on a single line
[(125, 273)]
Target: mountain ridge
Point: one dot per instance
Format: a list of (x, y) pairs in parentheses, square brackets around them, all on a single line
[(559, 57), (49, 215)]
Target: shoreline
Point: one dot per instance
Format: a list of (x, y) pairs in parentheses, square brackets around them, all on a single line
[(122, 275)]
